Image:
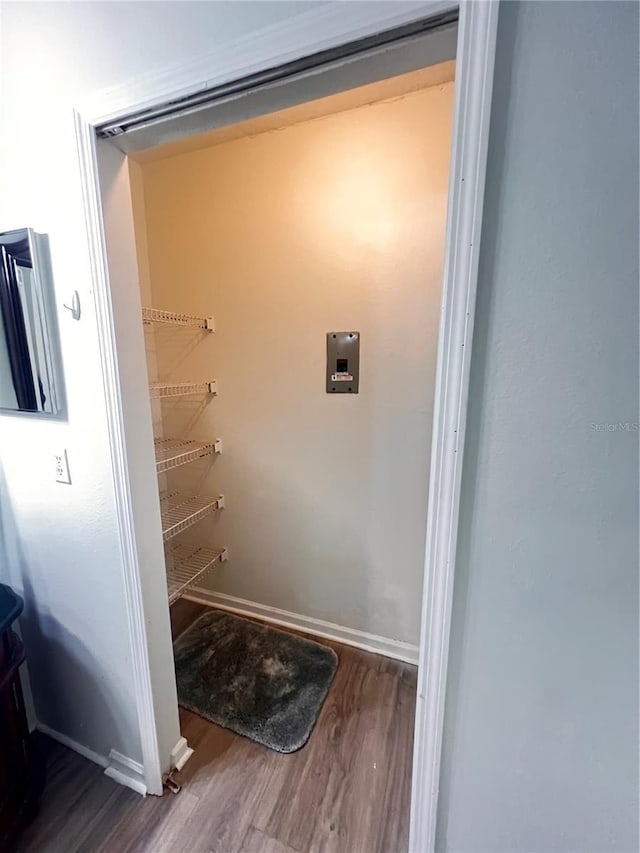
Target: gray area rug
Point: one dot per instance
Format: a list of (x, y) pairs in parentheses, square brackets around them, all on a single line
[(253, 679)]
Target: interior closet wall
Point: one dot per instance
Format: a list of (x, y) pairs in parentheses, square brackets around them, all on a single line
[(144, 280), (332, 224)]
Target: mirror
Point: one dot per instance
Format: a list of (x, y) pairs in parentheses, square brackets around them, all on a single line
[(28, 350)]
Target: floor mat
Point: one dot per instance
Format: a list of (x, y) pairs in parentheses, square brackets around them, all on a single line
[(257, 681)]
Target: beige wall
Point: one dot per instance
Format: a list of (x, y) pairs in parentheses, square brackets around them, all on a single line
[(331, 224)]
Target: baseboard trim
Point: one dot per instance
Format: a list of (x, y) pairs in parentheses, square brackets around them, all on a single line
[(65, 740), (180, 754), (118, 767), (126, 771), (317, 627)]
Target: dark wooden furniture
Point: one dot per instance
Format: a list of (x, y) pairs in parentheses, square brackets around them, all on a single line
[(21, 776)]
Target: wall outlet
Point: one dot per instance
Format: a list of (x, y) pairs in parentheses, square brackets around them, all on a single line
[(62, 467)]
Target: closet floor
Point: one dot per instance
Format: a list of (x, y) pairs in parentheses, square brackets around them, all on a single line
[(346, 791)]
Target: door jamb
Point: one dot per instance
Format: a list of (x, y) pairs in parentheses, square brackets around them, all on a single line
[(329, 26), (476, 47)]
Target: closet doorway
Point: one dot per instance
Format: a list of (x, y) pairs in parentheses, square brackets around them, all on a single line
[(263, 221)]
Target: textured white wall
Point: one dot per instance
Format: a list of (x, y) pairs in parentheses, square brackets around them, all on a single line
[(331, 224), (59, 544), (541, 734)]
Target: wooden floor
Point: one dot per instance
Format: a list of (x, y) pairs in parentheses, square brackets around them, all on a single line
[(346, 791)]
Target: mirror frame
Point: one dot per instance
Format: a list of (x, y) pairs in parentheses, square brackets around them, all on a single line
[(49, 362)]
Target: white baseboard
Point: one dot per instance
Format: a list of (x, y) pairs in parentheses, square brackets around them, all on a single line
[(317, 627), (180, 754), (126, 771), (118, 767), (84, 751)]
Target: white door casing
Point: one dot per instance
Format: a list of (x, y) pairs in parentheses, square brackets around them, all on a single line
[(308, 33)]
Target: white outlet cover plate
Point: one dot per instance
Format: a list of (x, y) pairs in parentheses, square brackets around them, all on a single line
[(61, 467)]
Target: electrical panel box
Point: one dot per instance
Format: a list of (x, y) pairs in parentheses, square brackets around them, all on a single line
[(343, 362)]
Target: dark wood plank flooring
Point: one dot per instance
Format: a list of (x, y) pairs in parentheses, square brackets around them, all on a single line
[(346, 791)]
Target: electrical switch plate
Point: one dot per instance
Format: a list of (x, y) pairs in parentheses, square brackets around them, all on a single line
[(62, 467), (343, 362)]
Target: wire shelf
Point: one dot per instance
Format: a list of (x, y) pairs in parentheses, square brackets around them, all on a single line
[(179, 512), (173, 452), (155, 315), (186, 565), (179, 389)]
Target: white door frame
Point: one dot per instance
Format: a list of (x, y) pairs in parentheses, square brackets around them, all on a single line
[(308, 33)]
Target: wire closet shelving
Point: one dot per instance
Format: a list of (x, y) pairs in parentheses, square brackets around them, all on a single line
[(159, 390), (180, 512), (173, 452), (155, 315), (185, 564)]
